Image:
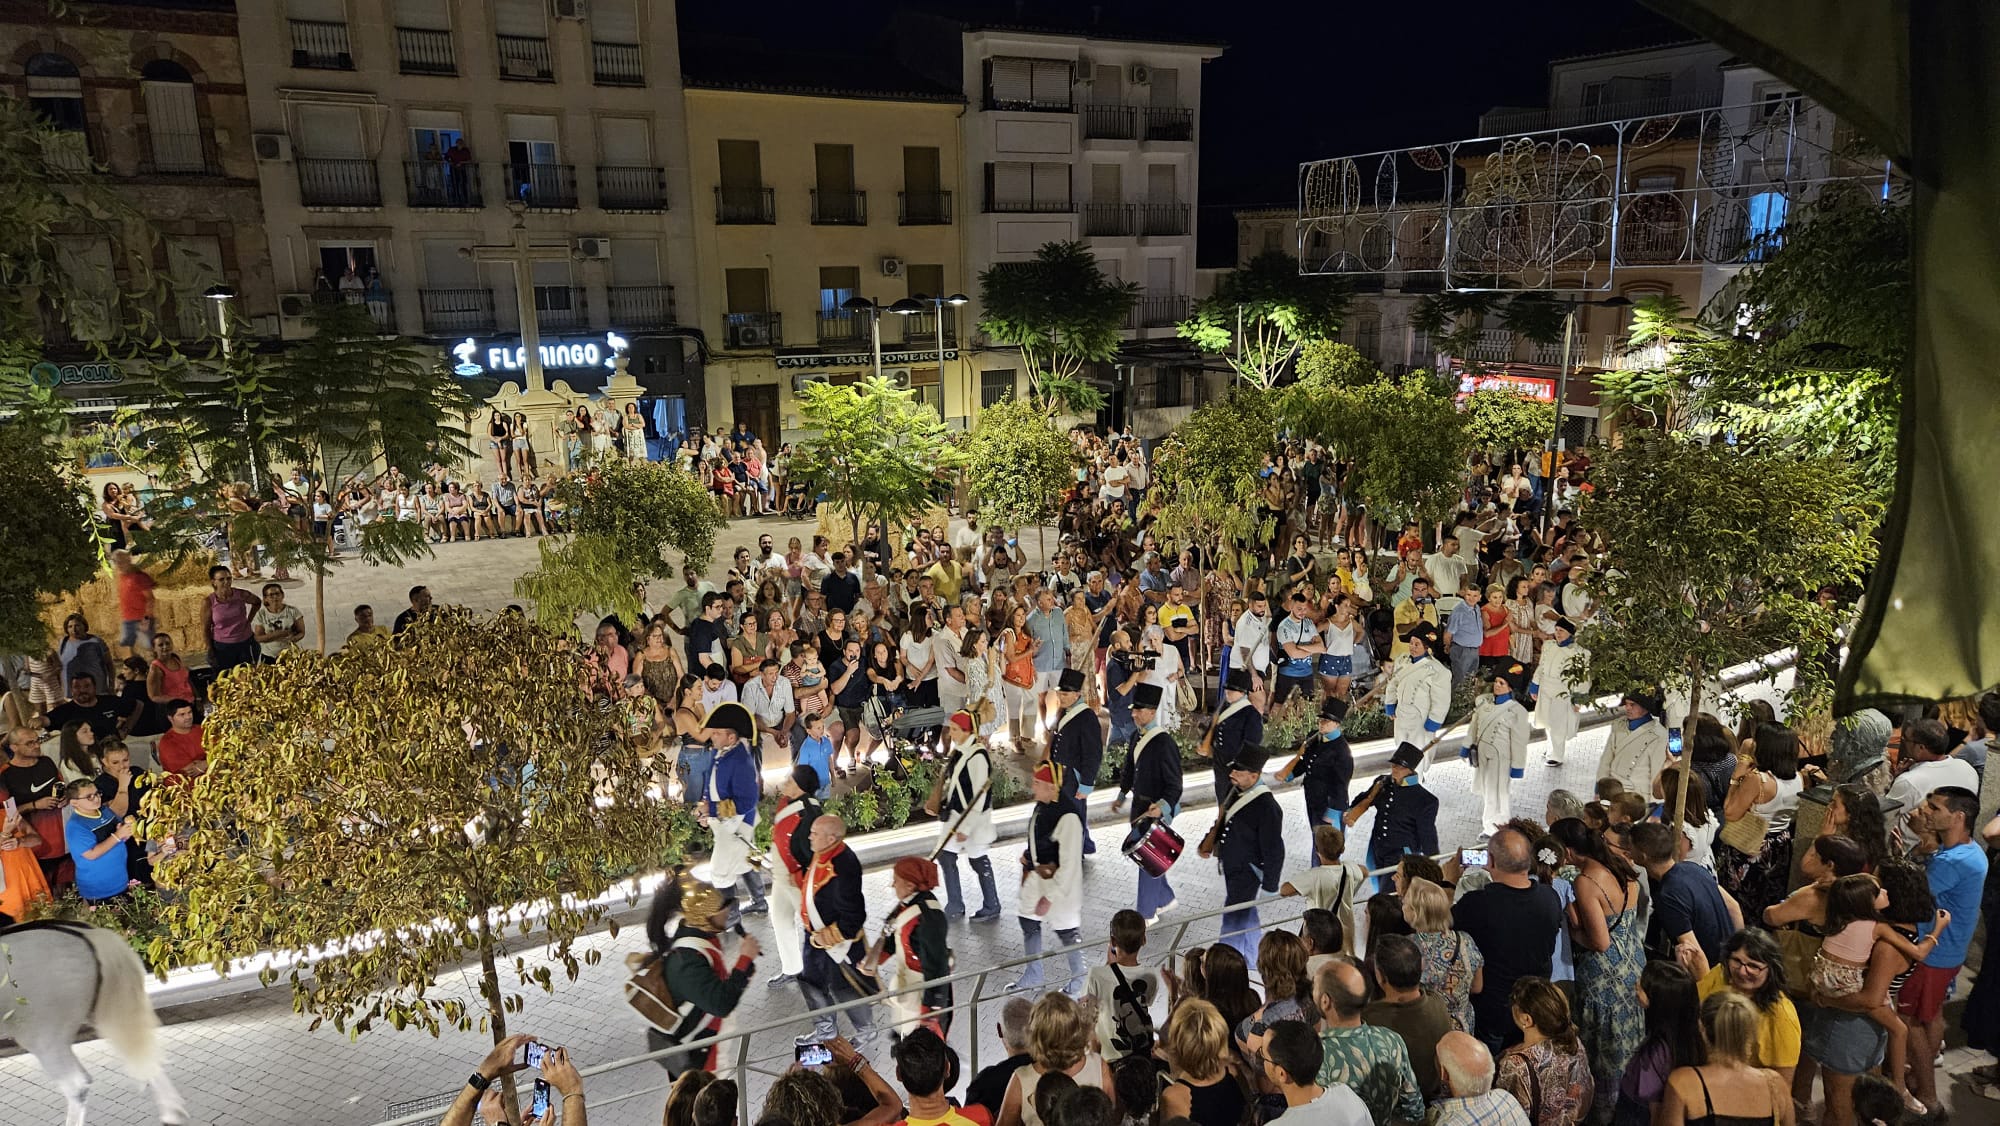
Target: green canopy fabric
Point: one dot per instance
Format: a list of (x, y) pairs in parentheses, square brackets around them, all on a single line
[(1921, 79)]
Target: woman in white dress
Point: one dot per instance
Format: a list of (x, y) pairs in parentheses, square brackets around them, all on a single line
[(1165, 674)]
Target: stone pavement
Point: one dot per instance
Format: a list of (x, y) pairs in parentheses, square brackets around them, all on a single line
[(250, 1060)]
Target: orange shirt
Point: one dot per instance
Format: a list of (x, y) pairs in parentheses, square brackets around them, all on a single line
[(135, 594)]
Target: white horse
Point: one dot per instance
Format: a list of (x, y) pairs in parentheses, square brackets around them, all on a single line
[(59, 975)]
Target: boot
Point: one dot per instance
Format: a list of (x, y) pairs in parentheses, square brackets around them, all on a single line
[(1031, 945), (989, 895), (954, 901)]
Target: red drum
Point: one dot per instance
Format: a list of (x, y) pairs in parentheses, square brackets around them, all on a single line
[(1153, 846)]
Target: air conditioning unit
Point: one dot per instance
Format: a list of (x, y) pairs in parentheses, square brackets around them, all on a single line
[(750, 336), (593, 247), (272, 148), (1085, 70), (568, 9), (1139, 74), (292, 310), (892, 267), (799, 382), (898, 376)]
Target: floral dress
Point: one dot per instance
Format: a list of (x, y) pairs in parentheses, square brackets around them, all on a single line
[(1554, 1085), (1608, 1014), (1218, 590), (1451, 961), (1521, 641)]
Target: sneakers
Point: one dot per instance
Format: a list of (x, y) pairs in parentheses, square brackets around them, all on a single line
[(986, 914), (761, 907), (779, 980)]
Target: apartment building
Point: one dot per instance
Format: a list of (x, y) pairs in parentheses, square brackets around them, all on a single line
[(149, 101), (1080, 134), (391, 136), (819, 180)]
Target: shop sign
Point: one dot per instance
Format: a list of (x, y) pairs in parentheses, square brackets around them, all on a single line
[(558, 354), (863, 359), (50, 374), (1533, 387)]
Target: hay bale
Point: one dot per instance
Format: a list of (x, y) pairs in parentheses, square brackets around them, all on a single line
[(831, 522), (177, 602)]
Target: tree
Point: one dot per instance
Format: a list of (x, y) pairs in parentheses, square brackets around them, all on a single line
[(1715, 554), (1259, 316), (1017, 465), (1336, 365), (1454, 320), (1405, 441), (875, 450), (1502, 420), (338, 802), (623, 518), (1205, 474), (50, 547), (1060, 310)]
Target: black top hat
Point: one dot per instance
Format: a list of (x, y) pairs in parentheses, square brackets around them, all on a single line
[(1071, 680), (1565, 625), (732, 716), (806, 779), (1333, 708), (1516, 677), (1146, 696), (1409, 756), (1250, 757), (1238, 680), (1644, 699), (1426, 631)]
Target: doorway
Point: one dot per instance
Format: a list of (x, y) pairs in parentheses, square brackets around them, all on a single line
[(756, 406)]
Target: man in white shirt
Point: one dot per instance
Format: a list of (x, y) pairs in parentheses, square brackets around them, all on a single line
[(716, 687), (1292, 1054), (1250, 644), (1447, 568), (945, 646), (769, 698), (1927, 747), (968, 537), (770, 563)]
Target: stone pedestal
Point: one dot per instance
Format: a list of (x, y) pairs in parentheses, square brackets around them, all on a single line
[(543, 409)]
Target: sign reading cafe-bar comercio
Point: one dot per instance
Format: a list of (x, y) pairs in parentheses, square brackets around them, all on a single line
[(862, 359)]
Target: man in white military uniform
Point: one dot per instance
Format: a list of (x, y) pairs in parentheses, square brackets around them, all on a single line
[(1052, 878), (1498, 746), (1636, 749), (1419, 692), (1560, 684), (965, 819)]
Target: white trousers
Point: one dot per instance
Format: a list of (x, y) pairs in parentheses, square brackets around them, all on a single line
[(787, 931), (1558, 718)]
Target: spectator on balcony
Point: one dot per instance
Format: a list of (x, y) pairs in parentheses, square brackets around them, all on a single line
[(458, 167)]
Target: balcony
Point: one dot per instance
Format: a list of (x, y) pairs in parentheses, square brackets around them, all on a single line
[(525, 58), (1493, 346), (923, 209), (441, 186), (339, 182), (752, 330), (1162, 219), (1031, 203), (457, 312), (177, 153), (839, 208), (543, 187), (423, 50), (617, 64), (920, 330), (1109, 123), (841, 328), (744, 205), (631, 188), (1548, 353), (641, 306), (380, 303), (1168, 123), (560, 306), (321, 45), (1107, 220), (1164, 311)]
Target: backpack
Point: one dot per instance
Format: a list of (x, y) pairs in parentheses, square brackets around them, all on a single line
[(1131, 1016), (646, 990)]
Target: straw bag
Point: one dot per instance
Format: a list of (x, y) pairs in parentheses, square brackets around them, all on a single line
[(1746, 833)]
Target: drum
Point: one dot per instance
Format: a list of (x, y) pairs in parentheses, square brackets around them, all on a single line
[(1153, 846)]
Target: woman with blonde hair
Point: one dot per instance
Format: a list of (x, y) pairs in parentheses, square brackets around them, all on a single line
[(1730, 1086), (1281, 963), (1201, 1083), (1058, 1044), (1454, 969), (1548, 1070)]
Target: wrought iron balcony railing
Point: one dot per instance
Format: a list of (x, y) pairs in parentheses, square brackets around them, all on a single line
[(641, 306), (923, 209), (339, 182), (321, 45), (631, 188), (744, 205), (423, 50), (525, 58), (839, 207), (439, 184)]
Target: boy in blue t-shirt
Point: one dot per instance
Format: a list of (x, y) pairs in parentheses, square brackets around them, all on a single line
[(816, 751), (96, 839)]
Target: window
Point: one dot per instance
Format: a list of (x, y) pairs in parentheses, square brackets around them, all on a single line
[(1032, 84), (1593, 95), (925, 279), (55, 93), (1168, 387), (1765, 231), (1019, 185), (91, 312), (1656, 180), (748, 291), (1774, 100), (995, 385), (173, 124), (1271, 237), (345, 266), (837, 284)]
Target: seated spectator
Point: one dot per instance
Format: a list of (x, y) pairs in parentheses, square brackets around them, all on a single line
[(483, 1094), (1058, 1043), (97, 839), (924, 1068), (1371, 1061), (1291, 1061), (1730, 1086), (803, 1098), (104, 714), (24, 884), (1466, 1069), (1548, 1070), (989, 1088), (181, 752), (1688, 906), (1420, 1018)]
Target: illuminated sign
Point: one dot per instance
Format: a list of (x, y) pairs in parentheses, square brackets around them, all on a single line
[(558, 354), (863, 359), (48, 374), (1534, 387)]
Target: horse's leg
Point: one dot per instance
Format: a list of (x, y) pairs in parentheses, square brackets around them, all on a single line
[(59, 1062), (166, 1097)]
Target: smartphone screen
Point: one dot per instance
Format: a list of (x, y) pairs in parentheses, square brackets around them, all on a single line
[(1472, 857), (532, 1053), (814, 1055), (1673, 740), (12, 809), (540, 1107)]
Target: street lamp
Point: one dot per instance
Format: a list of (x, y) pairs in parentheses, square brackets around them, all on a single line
[(221, 296), (1556, 441), (914, 304)]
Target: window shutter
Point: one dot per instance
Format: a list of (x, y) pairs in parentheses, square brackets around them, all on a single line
[(445, 269), (635, 261), (1012, 83), (614, 21), (624, 142), (1051, 184), (1051, 82), (521, 17), (1013, 183), (425, 15)]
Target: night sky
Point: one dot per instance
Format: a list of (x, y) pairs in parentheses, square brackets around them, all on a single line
[(1298, 81)]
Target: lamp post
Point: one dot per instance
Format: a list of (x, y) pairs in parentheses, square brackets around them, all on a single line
[(860, 304), (1557, 444), (914, 304), (220, 296)]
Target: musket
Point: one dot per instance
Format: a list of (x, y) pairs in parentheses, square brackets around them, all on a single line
[(1285, 775), (1355, 811)]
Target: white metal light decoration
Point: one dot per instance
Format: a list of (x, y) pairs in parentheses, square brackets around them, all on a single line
[(620, 347)]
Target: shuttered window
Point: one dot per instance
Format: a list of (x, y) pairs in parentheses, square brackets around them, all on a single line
[(445, 268), (624, 142), (527, 18), (635, 261), (748, 290), (427, 15), (614, 21), (1051, 184), (1018, 83)]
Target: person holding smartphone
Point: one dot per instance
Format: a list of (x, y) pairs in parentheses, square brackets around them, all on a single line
[(483, 1094)]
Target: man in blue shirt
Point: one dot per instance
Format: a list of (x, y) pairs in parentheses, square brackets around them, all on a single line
[(1687, 903), (1466, 632), (96, 839), (1047, 627), (1956, 868), (1297, 645)]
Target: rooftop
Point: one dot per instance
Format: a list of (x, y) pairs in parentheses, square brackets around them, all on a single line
[(715, 62)]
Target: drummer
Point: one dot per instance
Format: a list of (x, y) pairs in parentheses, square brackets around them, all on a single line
[(1152, 775)]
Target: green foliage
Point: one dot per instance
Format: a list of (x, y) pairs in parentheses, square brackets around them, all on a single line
[(875, 452), (1406, 440), (1336, 365), (1502, 420), (1259, 315), (1453, 320), (1017, 466), (1205, 473), (339, 800), (1715, 554), (50, 547), (1059, 309), (1536, 316), (623, 518), (1661, 318)]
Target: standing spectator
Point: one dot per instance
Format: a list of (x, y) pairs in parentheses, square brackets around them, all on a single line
[(1466, 1068), (1769, 787), (1610, 951), (1201, 1082), (276, 626), (366, 633), (1466, 630), (180, 751), (1754, 967), (925, 1069), (842, 588), (1453, 968), (97, 840), (420, 608), (1731, 1086), (1673, 1040), (1291, 1061), (1371, 1061), (1514, 920), (1688, 907), (34, 783), (22, 883), (989, 1088), (1927, 749), (1420, 1018), (1050, 648), (104, 715), (1297, 649), (1548, 1071), (82, 653), (1058, 1044), (1956, 868)]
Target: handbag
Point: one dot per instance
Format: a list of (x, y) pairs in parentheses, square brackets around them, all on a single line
[(1186, 697), (1020, 672), (1800, 950), (646, 991), (1746, 833)]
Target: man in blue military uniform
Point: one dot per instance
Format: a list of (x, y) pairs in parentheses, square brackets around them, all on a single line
[(1249, 842), (1327, 766), (1077, 747), (1152, 775), (728, 806), (1405, 812), (1237, 726)]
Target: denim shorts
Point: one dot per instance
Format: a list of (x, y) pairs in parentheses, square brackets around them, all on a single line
[(138, 631), (1844, 1043)]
